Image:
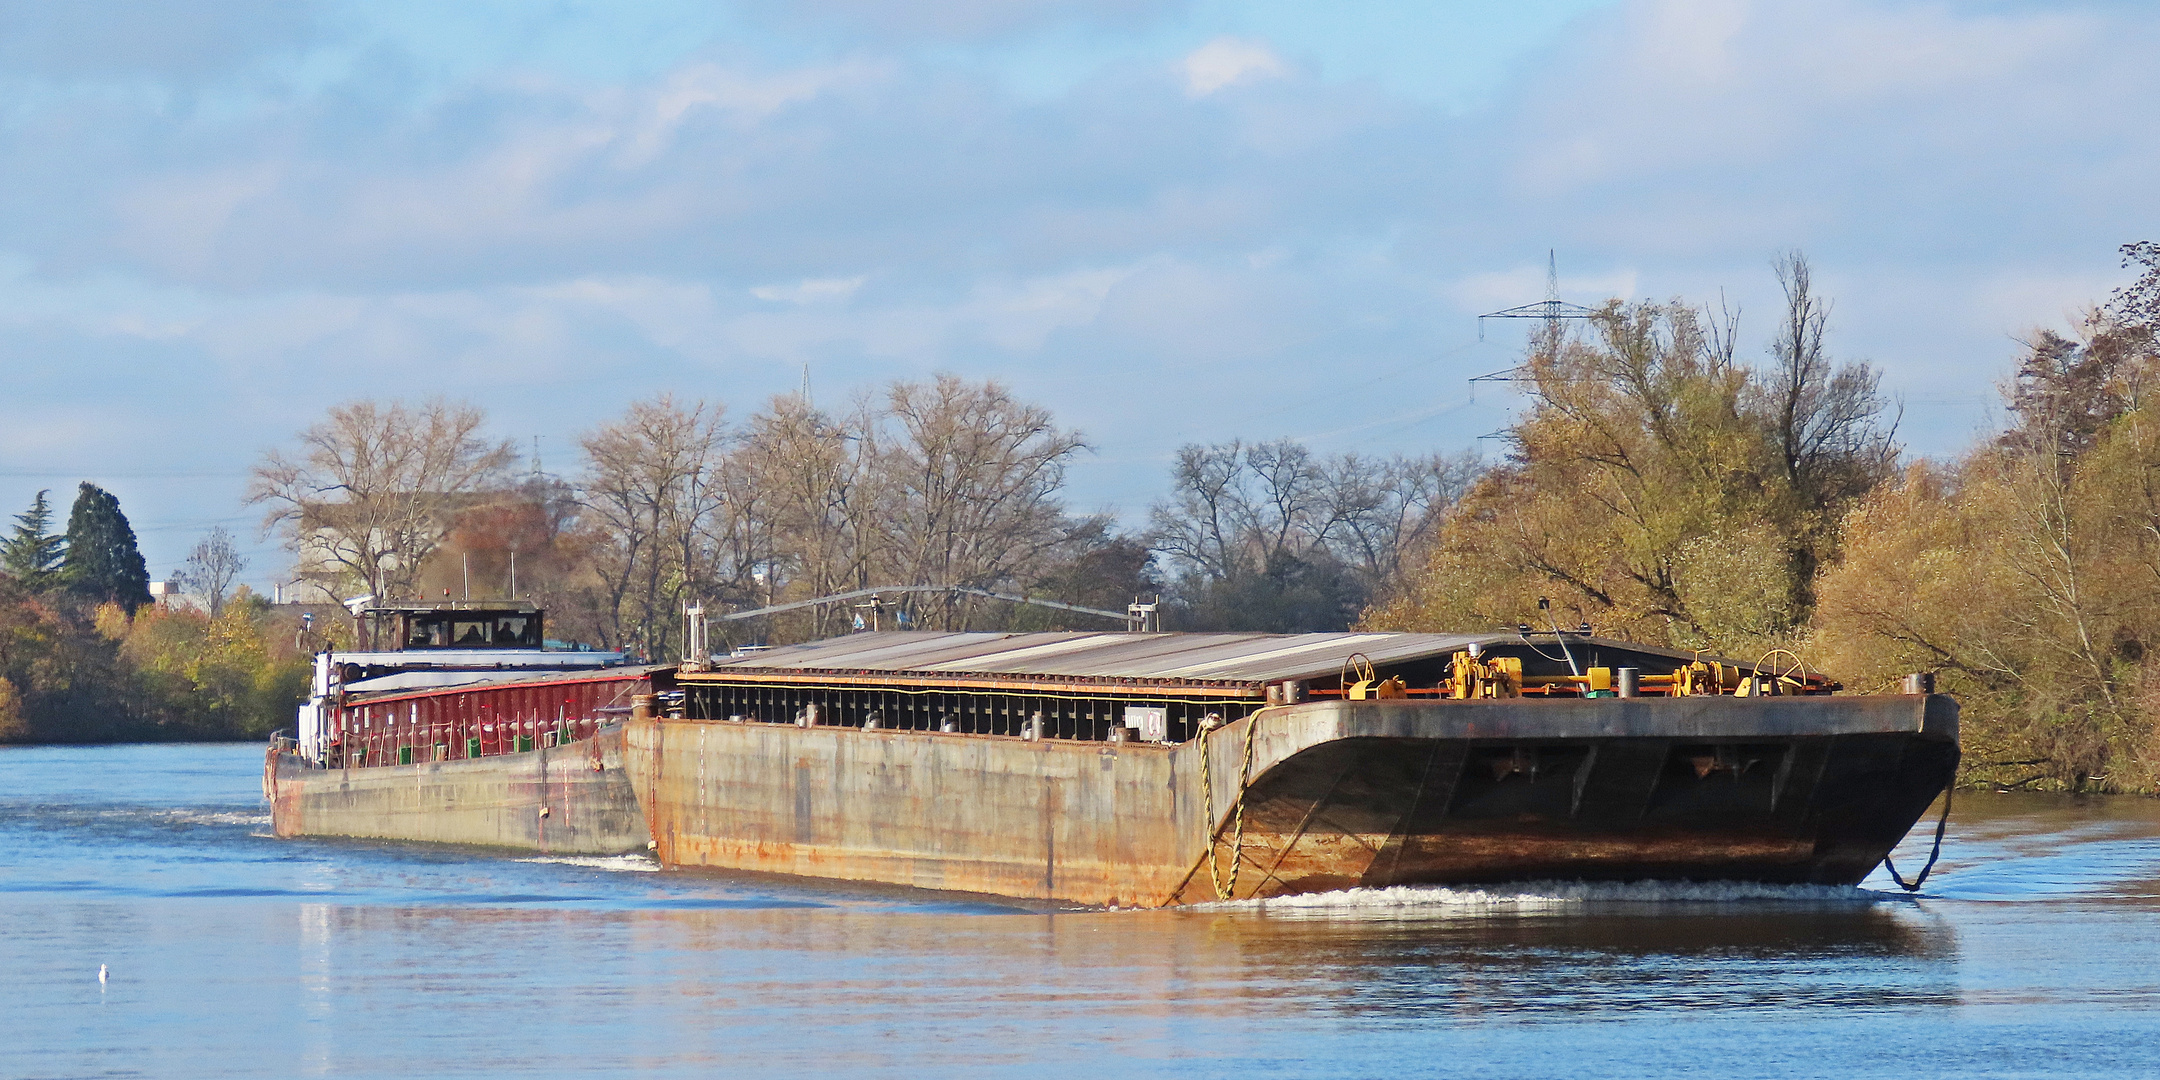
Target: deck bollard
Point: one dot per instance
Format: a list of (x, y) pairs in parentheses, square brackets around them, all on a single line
[(1625, 680)]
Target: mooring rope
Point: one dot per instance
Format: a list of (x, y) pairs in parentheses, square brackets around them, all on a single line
[(1225, 890), (1940, 823)]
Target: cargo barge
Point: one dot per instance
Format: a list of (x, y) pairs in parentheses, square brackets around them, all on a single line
[(1140, 769), (455, 724), (1128, 769)]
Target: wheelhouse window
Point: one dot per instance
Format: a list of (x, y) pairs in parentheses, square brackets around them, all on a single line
[(459, 629)]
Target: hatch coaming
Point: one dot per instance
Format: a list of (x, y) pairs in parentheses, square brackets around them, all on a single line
[(1082, 685)]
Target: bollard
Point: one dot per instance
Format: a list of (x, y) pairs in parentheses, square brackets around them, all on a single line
[(1920, 682), (1626, 681)]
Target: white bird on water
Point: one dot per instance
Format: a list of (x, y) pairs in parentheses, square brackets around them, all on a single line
[(101, 974)]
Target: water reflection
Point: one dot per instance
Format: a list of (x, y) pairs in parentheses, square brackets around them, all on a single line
[(836, 988)]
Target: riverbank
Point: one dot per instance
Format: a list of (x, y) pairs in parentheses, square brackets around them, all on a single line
[(73, 673)]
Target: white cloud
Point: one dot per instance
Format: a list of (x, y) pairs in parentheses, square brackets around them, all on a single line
[(651, 120), (1227, 61), (1160, 255), (811, 291), (1661, 85)]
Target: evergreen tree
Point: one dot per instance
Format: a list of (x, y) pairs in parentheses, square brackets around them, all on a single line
[(32, 554), (102, 561)]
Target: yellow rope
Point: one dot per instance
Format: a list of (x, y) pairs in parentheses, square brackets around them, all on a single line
[(1226, 890)]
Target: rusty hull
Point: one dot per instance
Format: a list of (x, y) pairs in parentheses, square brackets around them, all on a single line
[(1336, 794), (495, 801)]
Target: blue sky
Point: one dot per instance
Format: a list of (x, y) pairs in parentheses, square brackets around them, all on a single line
[(1168, 221)]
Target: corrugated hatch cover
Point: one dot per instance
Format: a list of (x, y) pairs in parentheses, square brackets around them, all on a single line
[(1247, 659)]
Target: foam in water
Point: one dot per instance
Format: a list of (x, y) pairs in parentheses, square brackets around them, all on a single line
[(206, 817), (1545, 897), (632, 863)]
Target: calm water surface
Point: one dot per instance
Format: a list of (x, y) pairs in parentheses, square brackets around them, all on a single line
[(2035, 951)]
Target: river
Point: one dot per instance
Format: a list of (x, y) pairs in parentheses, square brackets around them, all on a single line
[(2034, 950)]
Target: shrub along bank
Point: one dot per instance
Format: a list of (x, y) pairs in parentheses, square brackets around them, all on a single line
[(1665, 492)]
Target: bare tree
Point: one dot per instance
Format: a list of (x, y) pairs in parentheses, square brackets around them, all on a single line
[(372, 491), (1826, 418), (1200, 527), (1280, 528), (804, 504), (652, 488), (212, 568), (1385, 511), (970, 478)]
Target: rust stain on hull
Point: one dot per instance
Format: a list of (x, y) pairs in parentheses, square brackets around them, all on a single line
[(1043, 820), (1337, 795)]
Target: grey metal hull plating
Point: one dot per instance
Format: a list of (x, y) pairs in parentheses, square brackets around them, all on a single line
[(574, 799)]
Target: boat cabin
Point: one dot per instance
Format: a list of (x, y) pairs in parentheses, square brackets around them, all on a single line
[(451, 626)]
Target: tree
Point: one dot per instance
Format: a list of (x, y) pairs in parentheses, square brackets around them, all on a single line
[(2025, 573), (1825, 425), (232, 676), (527, 541), (652, 487), (2069, 388), (1383, 511), (969, 483), (32, 553), (375, 489), (1267, 536), (803, 505), (940, 483), (102, 561), (1660, 489), (212, 568), (2137, 305), (1094, 566)]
